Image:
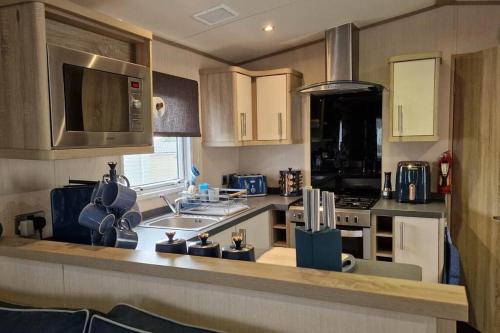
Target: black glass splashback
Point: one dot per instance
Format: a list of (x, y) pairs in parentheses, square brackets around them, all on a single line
[(346, 143)]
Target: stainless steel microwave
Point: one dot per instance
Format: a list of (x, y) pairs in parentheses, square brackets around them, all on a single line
[(97, 101)]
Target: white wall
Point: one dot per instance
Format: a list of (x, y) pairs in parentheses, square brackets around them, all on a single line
[(450, 29)]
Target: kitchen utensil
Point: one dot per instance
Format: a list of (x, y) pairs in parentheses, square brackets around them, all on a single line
[(325, 208), (121, 237), (328, 204), (204, 247), (172, 245), (290, 182), (96, 218), (117, 196), (387, 190), (237, 194), (413, 182), (307, 210), (315, 212), (332, 214), (256, 185)]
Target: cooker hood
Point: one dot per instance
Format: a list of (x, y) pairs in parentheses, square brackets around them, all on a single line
[(342, 58)]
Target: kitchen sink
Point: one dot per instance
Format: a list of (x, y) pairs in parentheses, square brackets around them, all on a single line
[(182, 222)]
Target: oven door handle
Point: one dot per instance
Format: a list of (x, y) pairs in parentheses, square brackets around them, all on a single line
[(352, 233)]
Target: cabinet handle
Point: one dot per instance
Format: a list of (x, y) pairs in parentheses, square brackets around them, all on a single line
[(400, 119), (496, 218), (280, 129), (245, 124), (402, 237), (242, 115)]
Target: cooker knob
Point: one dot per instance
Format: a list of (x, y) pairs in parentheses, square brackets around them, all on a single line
[(356, 219), (136, 104)]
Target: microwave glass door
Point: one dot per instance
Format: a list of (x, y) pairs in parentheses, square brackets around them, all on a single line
[(95, 101)]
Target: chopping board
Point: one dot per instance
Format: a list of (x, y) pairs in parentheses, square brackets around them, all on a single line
[(283, 256)]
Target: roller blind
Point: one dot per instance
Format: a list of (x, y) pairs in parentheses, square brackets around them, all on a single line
[(180, 96)]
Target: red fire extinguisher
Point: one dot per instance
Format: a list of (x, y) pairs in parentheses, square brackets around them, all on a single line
[(444, 185)]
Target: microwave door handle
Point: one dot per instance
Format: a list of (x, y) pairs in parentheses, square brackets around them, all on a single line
[(351, 233)]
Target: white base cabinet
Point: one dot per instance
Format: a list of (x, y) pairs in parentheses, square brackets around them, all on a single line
[(257, 229), (419, 241)]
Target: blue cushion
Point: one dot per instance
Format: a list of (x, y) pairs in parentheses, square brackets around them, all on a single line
[(99, 324), (149, 322), (15, 319)]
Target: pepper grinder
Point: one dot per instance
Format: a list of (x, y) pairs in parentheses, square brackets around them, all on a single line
[(387, 191)]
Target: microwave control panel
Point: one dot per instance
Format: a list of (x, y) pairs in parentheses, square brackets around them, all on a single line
[(135, 104)]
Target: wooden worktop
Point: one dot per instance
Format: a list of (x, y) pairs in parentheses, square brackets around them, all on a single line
[(284, 256), (440, 301)]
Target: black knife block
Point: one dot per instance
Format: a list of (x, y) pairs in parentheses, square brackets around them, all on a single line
[(319, 250)]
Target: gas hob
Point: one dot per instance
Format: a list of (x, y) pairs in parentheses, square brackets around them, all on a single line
[(349, 211)]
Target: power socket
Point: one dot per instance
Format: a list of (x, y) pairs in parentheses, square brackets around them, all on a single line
[(26, 216)]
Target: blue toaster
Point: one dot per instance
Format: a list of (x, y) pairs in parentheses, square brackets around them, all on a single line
[(256, 185)]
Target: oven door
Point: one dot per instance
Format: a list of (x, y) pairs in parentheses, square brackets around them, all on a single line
[(356, 241), (97, 101)]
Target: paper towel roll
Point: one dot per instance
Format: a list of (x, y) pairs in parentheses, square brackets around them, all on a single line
[(158, 107)]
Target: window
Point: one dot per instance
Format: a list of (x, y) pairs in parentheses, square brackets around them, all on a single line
[(165, 167)]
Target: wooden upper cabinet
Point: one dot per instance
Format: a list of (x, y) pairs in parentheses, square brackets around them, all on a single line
[(272, 107), (244, 106), (241, 107), (414, 94), (25, 109)]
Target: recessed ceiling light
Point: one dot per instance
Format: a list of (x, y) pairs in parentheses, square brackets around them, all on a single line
[(268, 28)]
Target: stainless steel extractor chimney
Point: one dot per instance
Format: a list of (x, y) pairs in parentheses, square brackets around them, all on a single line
[(342, 58)]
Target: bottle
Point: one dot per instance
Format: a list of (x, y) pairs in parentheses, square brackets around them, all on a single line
[(387, 191)]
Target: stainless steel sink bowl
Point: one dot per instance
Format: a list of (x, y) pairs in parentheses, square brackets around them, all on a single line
[(182, 222)]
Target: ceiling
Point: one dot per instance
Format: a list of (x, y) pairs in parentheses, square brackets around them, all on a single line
[(241, 38)]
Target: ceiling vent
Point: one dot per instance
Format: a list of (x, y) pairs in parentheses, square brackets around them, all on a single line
[(215, 15)]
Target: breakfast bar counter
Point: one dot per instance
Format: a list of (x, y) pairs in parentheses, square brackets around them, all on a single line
[(223, 294)]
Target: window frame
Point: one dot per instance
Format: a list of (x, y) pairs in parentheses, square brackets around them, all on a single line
[(184, 162)]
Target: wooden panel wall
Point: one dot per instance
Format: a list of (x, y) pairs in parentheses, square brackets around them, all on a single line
[(76, 38), (476, 180), (24, 97)]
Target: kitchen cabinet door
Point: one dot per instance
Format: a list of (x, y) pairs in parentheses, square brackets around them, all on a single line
[(417, 241), (258, 232), (272, 107), (414, 85), (224, 237), (244, 106)]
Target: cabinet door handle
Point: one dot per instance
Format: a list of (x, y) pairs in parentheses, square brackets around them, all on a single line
[(496, 218), (245, 124), (402, 236), (400, 119), (242, 115), (280, 129)]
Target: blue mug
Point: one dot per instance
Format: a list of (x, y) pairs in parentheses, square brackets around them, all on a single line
[(96, 218), (97, 192), (132, 216), (119, 197), (121, 237)]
